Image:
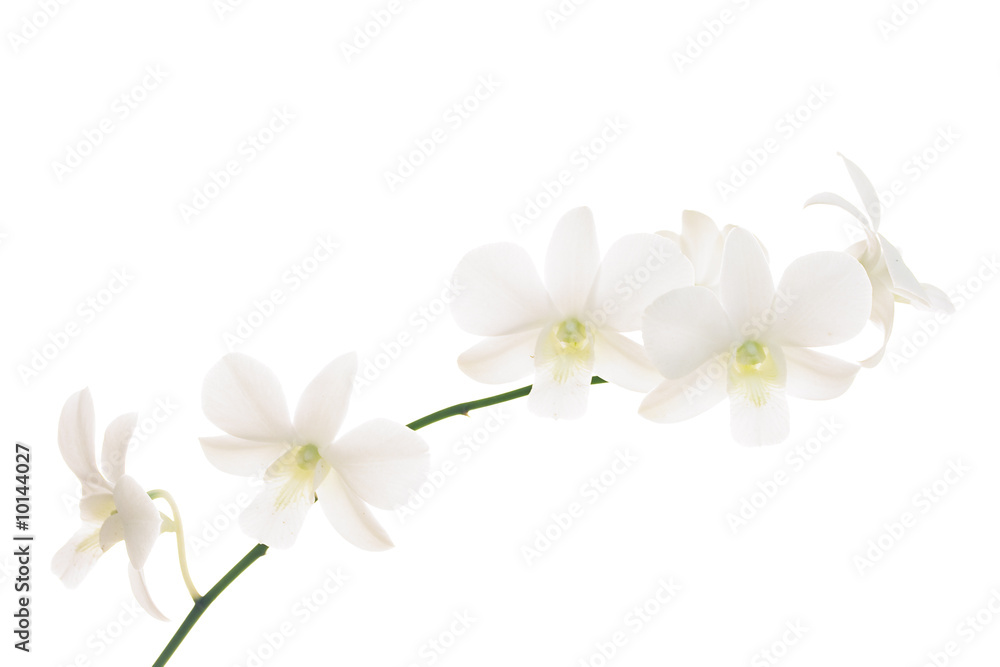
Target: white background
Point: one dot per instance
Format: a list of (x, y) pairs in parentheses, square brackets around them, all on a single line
[(890, 94)]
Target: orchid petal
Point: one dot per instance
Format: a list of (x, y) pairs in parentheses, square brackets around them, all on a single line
[(757, 425), (677, 400), (350, 516), (637, 269), (75, 559), (323, 405), (137, 581), (562, 376), (684, 328), (938, 299), (243, 397), (276, 515), (381, 461), (702, 242), (746, 288), (817, 376), (97, 507), (622, 361), (116, 441), (830, 199), (500, 359), (869, 253), (76, 441), (904, 283), (500, 292), (237, 456), (823, 299), (869, 197), (758, 407), (141, 520), (883, 312), (572, 261), (112, 532)]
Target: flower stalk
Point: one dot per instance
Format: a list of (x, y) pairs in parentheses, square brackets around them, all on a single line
[(178, 528), (201, 603)]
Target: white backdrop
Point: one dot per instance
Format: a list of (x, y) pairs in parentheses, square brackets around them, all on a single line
[(169, 169)]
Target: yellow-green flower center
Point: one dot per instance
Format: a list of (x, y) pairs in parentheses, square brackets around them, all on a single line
[(567, 349), (307, 456), (573, 333), (300, 472), (751, 353), (753, 372)]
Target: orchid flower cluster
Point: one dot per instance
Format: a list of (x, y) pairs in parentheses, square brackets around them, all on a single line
[(689, 319)]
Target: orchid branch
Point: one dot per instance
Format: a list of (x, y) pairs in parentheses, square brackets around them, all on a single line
[(202, 603), (465, 408)]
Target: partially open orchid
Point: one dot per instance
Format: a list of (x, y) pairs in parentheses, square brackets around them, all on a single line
[(751, 342), (113, 506), (702, 242), (890, 278), (569, 328), (378, 463)]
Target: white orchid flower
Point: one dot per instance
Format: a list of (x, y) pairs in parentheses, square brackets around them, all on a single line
[(702, 242), (751, 342), (569, 328), (378, 463), (113, 506), (890, 278)]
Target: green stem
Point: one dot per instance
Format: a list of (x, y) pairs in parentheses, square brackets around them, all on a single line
[(201, 604), (465, 408)]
